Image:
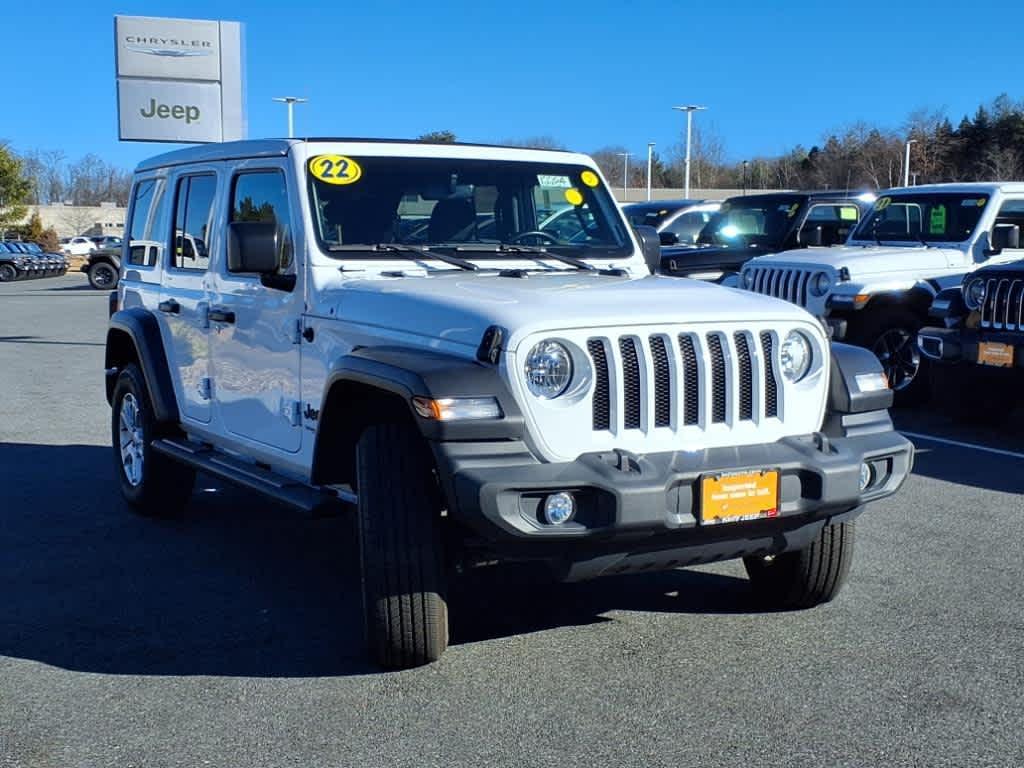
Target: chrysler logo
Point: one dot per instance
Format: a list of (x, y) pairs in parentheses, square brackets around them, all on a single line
[(159, 46)]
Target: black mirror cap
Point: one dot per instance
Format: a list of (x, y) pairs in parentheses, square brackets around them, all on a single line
[(253, 247), (650, 242), (1004, 236), (812, 237), (668, 238)]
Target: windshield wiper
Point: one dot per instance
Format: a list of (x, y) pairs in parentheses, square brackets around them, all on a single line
[(425, 253), (533, 250)]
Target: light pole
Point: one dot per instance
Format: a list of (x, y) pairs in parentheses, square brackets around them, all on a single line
[(625, 174), (650, 162), (689, 109), (906, 163), (745, 164), (291, 101)]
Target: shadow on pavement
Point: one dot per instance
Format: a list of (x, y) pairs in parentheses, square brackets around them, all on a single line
[(38, 340), (239, 586)]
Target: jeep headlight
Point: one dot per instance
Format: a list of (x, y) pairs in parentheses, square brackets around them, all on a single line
[(548, 369), (748, 279), (974, 293), (795, 356), (820, 283)]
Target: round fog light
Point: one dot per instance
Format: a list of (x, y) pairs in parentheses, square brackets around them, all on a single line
[(866, 475), (559, 508)]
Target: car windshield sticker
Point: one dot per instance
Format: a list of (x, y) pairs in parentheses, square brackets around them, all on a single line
[(882, 203), (335, 169), (573, 196), (848, 213), (546, 180), (792, 210), (937, 220), (589, 178)]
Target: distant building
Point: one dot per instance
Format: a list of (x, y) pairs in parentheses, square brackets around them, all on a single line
[(72, 220)]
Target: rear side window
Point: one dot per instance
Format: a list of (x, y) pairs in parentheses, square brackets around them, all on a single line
[(263, 196), (143, 251), (193, 208)]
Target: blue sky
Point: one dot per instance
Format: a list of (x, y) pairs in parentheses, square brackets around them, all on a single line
[(772, 72)]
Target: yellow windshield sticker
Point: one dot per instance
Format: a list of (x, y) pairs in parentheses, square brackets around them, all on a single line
[(589, 178), (937, 220), (882, 203), (848, 213), (335, 169), (792, 210), (573, 196), (982, 201)]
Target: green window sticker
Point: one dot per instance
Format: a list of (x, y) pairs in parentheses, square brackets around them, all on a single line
[(937, 220), (848, 213)]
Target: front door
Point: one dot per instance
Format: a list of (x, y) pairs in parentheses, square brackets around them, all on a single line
[(254, 322), (183, 303)]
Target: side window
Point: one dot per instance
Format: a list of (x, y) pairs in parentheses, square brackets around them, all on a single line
[(688, 225), (263, 196), (142, 249), (193, 206), (834, 221), (1012, 212)]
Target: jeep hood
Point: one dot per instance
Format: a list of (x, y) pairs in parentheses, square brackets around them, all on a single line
[(458, 307), (865, 260)]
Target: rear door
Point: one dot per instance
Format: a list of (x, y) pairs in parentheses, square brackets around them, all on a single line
[(255, 342), (183, 304)]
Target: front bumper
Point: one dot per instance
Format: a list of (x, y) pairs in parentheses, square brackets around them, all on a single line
[(960, 345), (644, 511)]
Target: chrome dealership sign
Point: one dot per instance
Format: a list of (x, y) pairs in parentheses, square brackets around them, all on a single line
[(179, 80)]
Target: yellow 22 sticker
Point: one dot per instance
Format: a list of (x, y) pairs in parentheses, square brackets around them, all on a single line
[(573, 196), (589, 178), (883, 203), (335, 169)]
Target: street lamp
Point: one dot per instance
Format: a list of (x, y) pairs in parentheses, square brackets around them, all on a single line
[(689, 109), (745, 164), (625, 174), (650, 161), (906, 164), (291, 101)]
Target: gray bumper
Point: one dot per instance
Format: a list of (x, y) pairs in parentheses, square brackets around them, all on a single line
[(960, 345)]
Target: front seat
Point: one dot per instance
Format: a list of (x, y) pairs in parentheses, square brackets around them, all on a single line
[(451, 220)]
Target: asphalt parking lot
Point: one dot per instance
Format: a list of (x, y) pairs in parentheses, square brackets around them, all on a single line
[(232, 637)]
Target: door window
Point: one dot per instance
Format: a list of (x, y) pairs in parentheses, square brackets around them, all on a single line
[(834, 221), (143, 249), (193, 209), (263, 196)]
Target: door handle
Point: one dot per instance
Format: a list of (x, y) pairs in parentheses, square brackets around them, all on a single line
[(170, 306), (220, 315)]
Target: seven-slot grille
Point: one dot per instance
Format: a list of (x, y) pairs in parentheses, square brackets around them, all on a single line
[(1003, 306), (687, 380), (789, 284)]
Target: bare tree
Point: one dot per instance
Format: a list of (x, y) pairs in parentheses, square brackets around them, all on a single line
[(535, 142)]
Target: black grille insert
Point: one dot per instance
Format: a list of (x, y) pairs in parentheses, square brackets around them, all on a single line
[(602, 401), (771, 390), (630, 383), (746, 377), (691, 392), (662, 382), (717, 378)]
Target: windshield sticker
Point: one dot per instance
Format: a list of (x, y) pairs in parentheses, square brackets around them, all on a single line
[(573, 196), (335, 169), (546, 180), (882, 203), (848, 214), (792, 210), (937, 220), (970, 201), (589, 178)]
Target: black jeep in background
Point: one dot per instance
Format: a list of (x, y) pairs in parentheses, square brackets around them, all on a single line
[(103, 268), (757, 225)]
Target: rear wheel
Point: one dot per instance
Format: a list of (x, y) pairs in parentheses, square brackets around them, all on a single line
[(404, 584), (153, 484), (807, 577), (891, 333), (8, 273), (102, 276)]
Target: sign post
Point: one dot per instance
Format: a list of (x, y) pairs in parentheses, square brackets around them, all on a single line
[(179, 80)]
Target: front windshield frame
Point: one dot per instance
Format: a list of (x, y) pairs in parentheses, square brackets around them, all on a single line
[(788, 206), (597, 207), (971, 202)]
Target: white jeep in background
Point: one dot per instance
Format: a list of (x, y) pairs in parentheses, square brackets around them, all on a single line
[(875, 291), (389, 327)]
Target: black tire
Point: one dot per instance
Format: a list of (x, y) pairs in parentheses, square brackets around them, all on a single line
[(403, 573), (807, 577), (103, 276), (891, 333), (163, 486), (8, 273)]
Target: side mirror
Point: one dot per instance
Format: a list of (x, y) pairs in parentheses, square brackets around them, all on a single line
[(650, 242), (1003, 236), (253, 246), (668, 238), (812, 237)]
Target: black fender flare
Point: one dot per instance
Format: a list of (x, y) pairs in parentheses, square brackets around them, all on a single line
[(143, 330)]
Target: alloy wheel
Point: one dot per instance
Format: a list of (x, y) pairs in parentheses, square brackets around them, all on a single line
[(896, 350), (132, 440)]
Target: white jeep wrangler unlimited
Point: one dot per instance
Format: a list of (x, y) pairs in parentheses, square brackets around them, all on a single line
[(388, 326), (876, 290)]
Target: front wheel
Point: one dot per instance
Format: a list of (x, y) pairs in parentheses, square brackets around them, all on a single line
[(891, 333), (404, 585), (807, 577), (102, 276), (8, 273)]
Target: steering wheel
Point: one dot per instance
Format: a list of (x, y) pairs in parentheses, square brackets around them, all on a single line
[(552, 240)]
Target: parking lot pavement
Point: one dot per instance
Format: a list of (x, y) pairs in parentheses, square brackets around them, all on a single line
[(232, 637)]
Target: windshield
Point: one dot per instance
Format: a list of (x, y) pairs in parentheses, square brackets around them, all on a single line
[(755, 222), (931, 217), (652, 214), (466, 204)]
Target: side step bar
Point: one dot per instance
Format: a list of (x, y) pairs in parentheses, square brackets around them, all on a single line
[(315, 500)]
